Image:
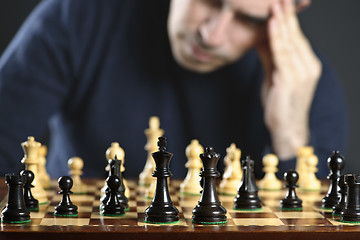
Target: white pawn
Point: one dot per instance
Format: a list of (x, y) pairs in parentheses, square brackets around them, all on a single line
[(301, 166), (233, 173), (31, 162), (311, 183), (116, 150), (191, 183), (76, 165), (152, 134), (43, 175), (270, 182)]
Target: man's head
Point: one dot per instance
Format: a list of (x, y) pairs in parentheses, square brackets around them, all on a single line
[(208, 34)]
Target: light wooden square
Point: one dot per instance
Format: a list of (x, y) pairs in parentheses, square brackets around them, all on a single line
[(64, 221), (298, 215), (258, 221)]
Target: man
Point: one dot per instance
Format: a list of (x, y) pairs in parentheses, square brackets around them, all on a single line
[(97, 70)]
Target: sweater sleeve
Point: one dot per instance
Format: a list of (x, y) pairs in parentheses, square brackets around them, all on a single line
[(328, 121), (34, 81)]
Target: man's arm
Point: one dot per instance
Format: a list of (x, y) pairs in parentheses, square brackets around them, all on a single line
[(34, 81), (296, 90)]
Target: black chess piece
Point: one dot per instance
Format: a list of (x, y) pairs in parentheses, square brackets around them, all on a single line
[(162, 209), (15, 210), (247, 197), (341, 204), (113, 206), (66, 208), (351, 212), (335, 164), (209, 209), (291, 200), (115, 165), (31, 203)]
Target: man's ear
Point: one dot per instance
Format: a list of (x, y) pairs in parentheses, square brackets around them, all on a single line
[(302, 4)]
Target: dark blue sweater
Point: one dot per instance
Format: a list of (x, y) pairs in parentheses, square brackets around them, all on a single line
[(94, 71)]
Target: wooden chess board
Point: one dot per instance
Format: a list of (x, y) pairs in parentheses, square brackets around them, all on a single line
[(268, 223)]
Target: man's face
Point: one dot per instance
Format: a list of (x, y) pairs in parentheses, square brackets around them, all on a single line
[(208, 34)]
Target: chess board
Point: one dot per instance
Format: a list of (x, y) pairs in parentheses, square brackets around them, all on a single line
[(270, 222)]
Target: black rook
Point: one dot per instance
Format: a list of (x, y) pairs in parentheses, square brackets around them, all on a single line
[(351, 212), (15, 210)]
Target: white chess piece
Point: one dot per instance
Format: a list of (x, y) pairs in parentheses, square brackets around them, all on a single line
[(31, 161), (301, 167), (233, 173), (43, 175), (75, 165), (152, 134), (191, 183), (270, 181), (311, 183)]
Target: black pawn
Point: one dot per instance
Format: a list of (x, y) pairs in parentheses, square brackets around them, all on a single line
[(113, 207), (351, 212), (341, 204), (15, 210), (247, 197), (335, 164), (162, 209), (115, 170), (31, 203), (291, 200), (209, 209), (66, 208)]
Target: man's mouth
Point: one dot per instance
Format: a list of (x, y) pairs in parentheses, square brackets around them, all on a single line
[(201, 55)]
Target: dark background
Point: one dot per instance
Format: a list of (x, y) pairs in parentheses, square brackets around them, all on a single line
[(332, 26)]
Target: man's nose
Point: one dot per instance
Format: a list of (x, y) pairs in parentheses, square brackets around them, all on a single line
[(213, 31)]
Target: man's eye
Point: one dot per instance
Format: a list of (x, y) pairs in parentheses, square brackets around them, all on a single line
[(214, 3), (252, 22)]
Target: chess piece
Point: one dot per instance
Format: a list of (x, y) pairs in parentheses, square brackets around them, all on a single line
[(291, 200), (247, 197), (209, 209), (343, 191), (113, 206), (190, 185), (233, 173), (270, 181), (150, 191), (42, 173), (31, 203), (301, 166), (111, 152), (310, 182), (335, 164), (31, 161), (76, 164), (114, 169), (351, 212), (66, 208), (15, 210), (115, 166), (162, 209), (152, 134), (116, 150)]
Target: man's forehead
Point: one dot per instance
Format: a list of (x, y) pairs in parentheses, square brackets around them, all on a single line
[(260, 8)]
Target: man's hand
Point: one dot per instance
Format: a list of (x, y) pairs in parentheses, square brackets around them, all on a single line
[(292, 71)]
